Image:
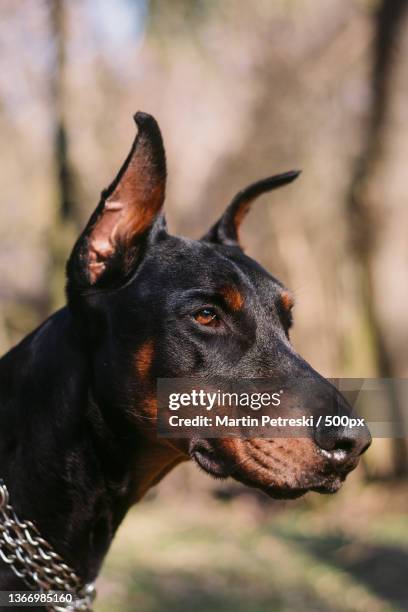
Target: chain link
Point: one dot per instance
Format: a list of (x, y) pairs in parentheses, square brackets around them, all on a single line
[(35, 561)]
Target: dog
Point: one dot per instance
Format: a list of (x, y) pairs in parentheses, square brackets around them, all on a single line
[(78, 409)]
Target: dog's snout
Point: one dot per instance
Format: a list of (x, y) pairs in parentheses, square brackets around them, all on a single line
[(342, 445)]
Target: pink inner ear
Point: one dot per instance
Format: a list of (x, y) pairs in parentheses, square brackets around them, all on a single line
[(122, 222), (102, 238), (136, 197)]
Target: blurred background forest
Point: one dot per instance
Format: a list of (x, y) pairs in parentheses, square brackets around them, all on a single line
[(241, 90)]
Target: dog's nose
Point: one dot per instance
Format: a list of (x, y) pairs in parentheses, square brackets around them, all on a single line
[(342, 445)]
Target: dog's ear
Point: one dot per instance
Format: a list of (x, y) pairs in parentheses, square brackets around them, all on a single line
[(226, 230), (129, 209)]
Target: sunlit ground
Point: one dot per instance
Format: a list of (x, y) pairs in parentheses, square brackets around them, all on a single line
[(194, 552)]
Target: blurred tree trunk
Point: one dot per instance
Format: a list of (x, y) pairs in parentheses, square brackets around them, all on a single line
[(65, 222), (363, 221)]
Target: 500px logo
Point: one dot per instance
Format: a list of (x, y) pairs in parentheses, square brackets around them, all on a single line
[(208, 400), (343, 421)]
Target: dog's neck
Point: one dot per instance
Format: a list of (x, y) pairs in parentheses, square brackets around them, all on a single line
[(67, 466)]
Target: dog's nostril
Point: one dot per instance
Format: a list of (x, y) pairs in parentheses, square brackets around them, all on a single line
[(340, 452), (331, 440), (345, 445), (341, 444)]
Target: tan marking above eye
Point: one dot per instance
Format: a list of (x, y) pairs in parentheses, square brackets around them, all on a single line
[(144, 358), (287, 300), (233, 298)]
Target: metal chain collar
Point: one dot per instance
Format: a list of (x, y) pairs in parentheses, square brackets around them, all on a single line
[(35, 561)]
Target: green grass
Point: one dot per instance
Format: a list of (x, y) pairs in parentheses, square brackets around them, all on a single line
[(194, 552)]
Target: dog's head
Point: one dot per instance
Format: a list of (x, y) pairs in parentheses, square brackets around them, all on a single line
[(152, 305)]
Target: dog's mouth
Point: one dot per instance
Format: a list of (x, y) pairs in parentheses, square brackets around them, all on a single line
[(210, 461), (323, 485), (254, 471)]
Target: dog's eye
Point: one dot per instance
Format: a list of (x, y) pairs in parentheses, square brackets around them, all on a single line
[(207, 317)]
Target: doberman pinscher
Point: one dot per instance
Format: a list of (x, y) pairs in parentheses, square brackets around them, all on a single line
[(78, 443)]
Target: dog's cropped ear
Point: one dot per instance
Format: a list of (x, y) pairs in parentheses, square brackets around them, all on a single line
[(129, 208), (226, 230)]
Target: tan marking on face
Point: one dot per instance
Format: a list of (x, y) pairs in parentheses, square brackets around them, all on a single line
[(234, 299), (287, 300), (281, 463), (154, 459), (150, 407), (146, 418), (144, 359)]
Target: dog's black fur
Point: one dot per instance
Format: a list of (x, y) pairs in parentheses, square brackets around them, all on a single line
[(77, 414)]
